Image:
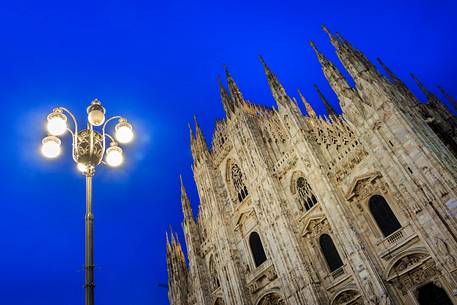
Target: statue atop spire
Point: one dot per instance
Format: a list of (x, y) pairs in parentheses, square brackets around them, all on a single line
[(328, 107), (309, 109)]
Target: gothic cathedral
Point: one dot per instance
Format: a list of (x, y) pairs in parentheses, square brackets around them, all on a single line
[(297, 209)]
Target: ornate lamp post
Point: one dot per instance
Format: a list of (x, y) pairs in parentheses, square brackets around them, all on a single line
[(89, 150)]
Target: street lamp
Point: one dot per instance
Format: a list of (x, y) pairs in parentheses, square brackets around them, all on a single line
[(88, 151)]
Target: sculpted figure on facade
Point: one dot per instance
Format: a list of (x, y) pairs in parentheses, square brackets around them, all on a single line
[(352, 207)]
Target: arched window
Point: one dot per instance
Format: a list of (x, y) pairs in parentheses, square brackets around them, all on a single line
[(237, 180), (213, 274), (332, 257), (383, 215), (257, 249), (305, 194)]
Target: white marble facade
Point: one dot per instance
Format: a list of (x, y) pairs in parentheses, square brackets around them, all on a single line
[(356, 208)]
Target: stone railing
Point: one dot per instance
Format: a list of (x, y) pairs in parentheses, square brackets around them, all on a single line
[(395, 239), (334, 278), (337, 273)]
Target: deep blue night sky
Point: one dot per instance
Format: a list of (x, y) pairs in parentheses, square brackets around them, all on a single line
[(156, 62)]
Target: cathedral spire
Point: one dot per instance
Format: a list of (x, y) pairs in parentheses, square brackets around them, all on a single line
[(185, 202), (427, 93), (225, 98), (352, 59), (448, 97), (308, 107), (335, 78), (328, 107), (193, 145), (173, 240), (278, 91), (389, 72), (192, 138), (168, 243), (235, 92), (333, 39), (199, 135)]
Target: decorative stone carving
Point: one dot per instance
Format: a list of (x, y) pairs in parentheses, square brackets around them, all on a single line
[(315, 226), (443, 250), (346, 297), (271, 274), (375, 298), (364, 186), (271, 299), (341, 154), (285, 164), (412, 270)]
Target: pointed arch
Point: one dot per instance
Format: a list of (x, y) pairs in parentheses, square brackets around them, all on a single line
[(271, 298), (303, 192), (257, 250), (331, 255), (237, 180), (383, 215)]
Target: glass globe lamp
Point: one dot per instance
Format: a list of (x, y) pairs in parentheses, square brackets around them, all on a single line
[(124, 131), (114, 155), (96, 113), (50, 147), (57, 123)]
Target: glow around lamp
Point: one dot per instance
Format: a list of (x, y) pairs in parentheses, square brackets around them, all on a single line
[(114, 155), (124, 131), (57, 123), (50, 147)]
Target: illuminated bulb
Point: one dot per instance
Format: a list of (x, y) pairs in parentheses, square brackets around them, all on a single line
[(82, 167), (124, 131), (96, 113), (96, 117), (114, 155), (57, 123), (51, 147)]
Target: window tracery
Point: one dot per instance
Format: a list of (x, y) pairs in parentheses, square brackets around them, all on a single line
[(305, 194), (238, 183)]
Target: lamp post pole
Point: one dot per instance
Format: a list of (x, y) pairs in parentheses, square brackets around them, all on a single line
[(88, 151), (89, 260)]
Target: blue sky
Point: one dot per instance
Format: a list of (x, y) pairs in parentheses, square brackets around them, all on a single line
[(156, 62)]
